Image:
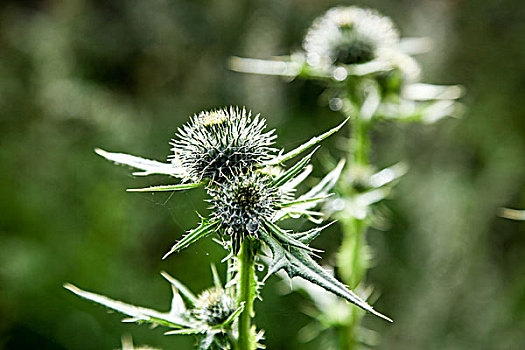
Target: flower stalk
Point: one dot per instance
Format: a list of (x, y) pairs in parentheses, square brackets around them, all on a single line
[(246, 293), (359, 142), (351, 259)]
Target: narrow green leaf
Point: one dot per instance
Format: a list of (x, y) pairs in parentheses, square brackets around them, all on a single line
[(297, 212), (278, 257), (371, 67), (148, 166), (284, 66), (301, 206), (297, 180), (232, 317), (177, 303), (184, 291), (327, 183), (306, 200), (265, 67), (512, 214), (290, 173), (216, 279), (192, 236), (427, 92), (388, 175), (186, 331), (283, 237), (163, 188), (137, 313), (308, 236), (312, 142), (298, 262)]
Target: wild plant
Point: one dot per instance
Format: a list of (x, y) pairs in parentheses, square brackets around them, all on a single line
[(230, 154)]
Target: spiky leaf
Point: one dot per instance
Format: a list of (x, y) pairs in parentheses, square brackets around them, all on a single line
[(303, 204), (137, 313), (232, 317), (281, 67), (184, 291), (284, 237), (326, 184), (310, 201), (204, 229), (216, 279), (147, 166), (298, 262), (512, 214), (312, 142), (165, 188), (308, 236), (185, 331), (293, 171), (298, 179)]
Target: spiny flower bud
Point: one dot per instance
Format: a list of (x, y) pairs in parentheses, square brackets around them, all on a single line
[(216, 144), (213, 306), (348, 35), (242, 203)]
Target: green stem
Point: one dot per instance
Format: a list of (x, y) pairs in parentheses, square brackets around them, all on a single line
[(347, 338), (352, 264), (351, 259), (360, 141), (246, 293)]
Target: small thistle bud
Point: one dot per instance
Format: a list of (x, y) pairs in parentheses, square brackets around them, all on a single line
[(348, 35), (242, 203), (213, 306), (216, 144)]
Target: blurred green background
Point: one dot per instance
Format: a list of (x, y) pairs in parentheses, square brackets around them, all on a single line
[(123, 75)]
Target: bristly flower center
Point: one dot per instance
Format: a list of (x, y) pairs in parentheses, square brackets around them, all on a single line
[(351, 49), (218, 144), (351, 53)]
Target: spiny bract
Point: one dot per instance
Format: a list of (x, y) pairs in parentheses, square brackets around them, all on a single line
[(218, 144), (348, 35)]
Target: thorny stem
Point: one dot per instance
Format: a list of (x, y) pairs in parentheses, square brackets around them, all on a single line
[(246, 293)]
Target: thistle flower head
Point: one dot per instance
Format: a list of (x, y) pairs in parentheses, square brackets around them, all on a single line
[(213, 306), (348, 35), (217, 144), (242, 203)]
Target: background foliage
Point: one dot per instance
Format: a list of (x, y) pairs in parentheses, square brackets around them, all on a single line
[(124, 74)]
